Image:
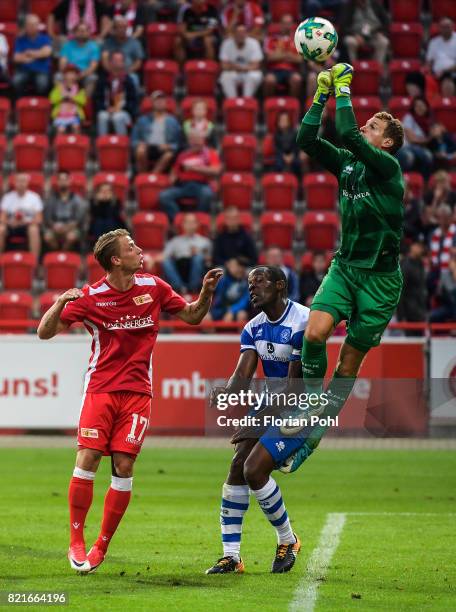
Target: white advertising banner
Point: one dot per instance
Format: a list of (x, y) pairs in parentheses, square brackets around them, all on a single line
[(443, 379)]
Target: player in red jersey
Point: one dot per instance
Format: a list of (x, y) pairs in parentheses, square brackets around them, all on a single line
[(121, 312)]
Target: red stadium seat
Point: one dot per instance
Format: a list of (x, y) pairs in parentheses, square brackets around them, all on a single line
[(15, 305), (160, 74), (237, 190), (119, 182), (399, 70), (320, 191), (416, 183), (245, 219), (160, 38), (368, 75), (47, 300), (320, 230), (201, 77), (404, 10), (279, 8), (30, 152), (42, 8), (9, 30), (33, 115), (365, 107), (406, 39), (94, 271), (399, 106), (61, 269), (278, 229), (279, 190), (445, 112), (149, 229), (306, 261), (443, 8), (239, 152), (204, 221), (240, 115), (113, 153), (3, 145), (5, 109), (71, 152), (268, 150), (146, 106), (36, 182), (9, 10), (148, 188), (78, 183), (17, 269), (288, 259), (274, 106), (188, 101)]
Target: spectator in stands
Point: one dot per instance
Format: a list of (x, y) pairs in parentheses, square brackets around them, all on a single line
[(274, 257), (413, 303), (442, 145), (442, 241), (446, 294), (84, 53), (311, 279), (135, 12), (413, 224), (64, 214), (21, 215), (131, 48), (415, 85), (186, 256), (365, 24), (288, 157), (231, 299), (415, 155), (448, 86), (234, 241), (315, 7), (156, 137), (116, 98), (68, 13), (246, 13), (32, 59), (283, 63), (164, 10), (199, 121), (441, 192), (192, 172), (105, 213), (68, 101), (240, 56), (199, 28), (4, 51), (441, 52)]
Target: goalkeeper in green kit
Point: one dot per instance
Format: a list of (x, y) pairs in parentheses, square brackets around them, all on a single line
[(364, 282)]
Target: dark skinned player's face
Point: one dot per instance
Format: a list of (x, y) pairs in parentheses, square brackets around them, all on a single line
[(263, 292)]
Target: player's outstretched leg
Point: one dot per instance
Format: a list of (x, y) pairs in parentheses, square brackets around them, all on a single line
[(80, 495), (235, 503), (116, 503), (257, 472)]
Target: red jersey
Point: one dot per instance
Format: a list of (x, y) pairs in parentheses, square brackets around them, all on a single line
[(280, 42), (205, 157), (124, 327), (250, 15)]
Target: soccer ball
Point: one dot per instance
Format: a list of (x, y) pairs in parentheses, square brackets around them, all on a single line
[(315, 39)]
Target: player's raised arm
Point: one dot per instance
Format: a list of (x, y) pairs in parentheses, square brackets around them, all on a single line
[(51, 324), (195, 312), (329, 156), (375, 153)]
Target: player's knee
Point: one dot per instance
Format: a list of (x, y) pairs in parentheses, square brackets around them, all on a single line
[(253, 473), (123, 467), (237, 465), (315, 333)]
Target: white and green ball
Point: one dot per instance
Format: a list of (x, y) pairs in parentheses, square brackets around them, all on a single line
[(315, 39)]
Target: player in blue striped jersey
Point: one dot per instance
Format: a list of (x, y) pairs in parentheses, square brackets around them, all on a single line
[(275, 338)]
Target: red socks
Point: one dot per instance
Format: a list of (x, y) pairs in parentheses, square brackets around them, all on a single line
[(116, 502), (80, 494)]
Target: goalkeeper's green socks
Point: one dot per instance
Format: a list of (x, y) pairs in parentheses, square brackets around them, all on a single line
[(314, 364)]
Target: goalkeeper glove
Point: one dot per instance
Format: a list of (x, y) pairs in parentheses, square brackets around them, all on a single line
[(325, 87), (342, 75)]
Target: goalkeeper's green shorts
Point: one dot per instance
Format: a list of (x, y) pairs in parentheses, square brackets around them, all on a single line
[(366, 300)]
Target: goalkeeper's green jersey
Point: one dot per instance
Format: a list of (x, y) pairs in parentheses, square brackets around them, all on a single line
[(371, 191)]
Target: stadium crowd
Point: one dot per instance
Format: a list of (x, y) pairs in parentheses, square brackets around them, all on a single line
[(178, 121)]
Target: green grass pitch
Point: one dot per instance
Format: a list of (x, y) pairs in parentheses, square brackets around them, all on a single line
[(170, 534)]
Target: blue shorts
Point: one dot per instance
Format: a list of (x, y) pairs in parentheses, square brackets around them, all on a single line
[(281, 447)]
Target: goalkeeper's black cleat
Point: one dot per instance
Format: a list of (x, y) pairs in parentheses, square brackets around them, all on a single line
[(227, 565), (285, 556)]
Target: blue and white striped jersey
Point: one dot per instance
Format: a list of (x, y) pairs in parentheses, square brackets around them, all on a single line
[(276, 342)]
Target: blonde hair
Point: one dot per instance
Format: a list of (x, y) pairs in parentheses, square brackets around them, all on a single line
[(393, 130), (107, 246)]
